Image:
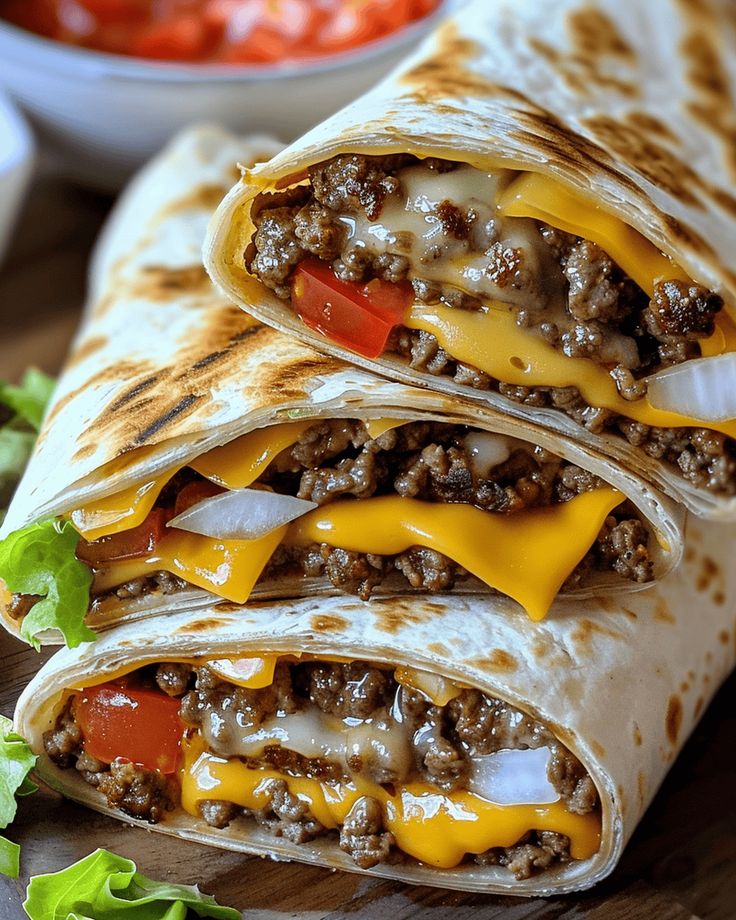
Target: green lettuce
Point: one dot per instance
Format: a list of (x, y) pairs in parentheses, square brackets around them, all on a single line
[(21, 410), (40, 559), (29, 399), (16, 762), (104, 886)]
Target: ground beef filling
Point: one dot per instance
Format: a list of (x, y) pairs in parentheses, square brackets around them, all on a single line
[(605, 316), (441, 742)]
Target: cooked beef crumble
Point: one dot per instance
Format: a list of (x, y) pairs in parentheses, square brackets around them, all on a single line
[(418, 740), (429, 461), (605, 315)]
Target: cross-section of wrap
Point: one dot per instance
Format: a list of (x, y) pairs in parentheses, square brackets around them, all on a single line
[(394, 737), (189, 449), (536, 211)]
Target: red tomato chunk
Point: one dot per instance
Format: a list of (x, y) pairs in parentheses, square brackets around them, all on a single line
[(135, 724), (216, 31)]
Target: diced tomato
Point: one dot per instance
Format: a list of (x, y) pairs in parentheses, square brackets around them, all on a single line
[(195, 492), (179, 38), (358, 316), (129, 544), (107, 11), (136, 724)]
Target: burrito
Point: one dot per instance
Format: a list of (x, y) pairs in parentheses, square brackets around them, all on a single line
[(189, 449), (390, 737), (535, 211)]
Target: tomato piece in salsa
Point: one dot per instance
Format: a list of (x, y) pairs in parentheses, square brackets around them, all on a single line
[(216, 31)]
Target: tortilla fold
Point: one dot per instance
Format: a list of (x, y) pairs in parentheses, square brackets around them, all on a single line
[(645, 669), (165, 369), (574, 93)]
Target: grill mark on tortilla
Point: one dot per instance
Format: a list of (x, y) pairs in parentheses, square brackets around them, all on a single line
[(443, 75), (184, 405), (87, 348), (122, 370), (585, 629), (594, 34), (498, 660), (327, 623), (161, 282), (86, 450), (205, 197), (580, 71), (662, 613), (199, 626), (134, 391), (673, 719), (637, 735), (393, 614), (650, 124), (641, 782), (437, 648), (652, 159)]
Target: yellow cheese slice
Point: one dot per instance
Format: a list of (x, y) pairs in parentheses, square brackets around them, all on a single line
[(253, 672), (542, 198), (238, 464), (492, 341), (526, 555), (435, 827), (235, 466), (378, 426), (227, 568)]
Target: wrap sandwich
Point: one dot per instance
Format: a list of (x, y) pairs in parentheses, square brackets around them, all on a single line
[(189, 450), (393, 737), (536, 211)]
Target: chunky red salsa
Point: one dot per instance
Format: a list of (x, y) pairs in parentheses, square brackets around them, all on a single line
[(216, 31)]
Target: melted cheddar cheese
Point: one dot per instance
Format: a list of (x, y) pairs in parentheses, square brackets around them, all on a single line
[(435, 827)]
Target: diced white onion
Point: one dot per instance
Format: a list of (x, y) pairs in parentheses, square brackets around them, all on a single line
[(487, 451), (513, 777), (704, 388), (242, 514)]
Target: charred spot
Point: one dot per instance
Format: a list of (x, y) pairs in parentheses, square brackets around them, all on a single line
[(444, 73), (327, 623), (161, 282), (163, 420), (86, 450), (637, 735), (133, 392), (673, 719), (200, 626), (644, 121), (87, 348), (594, 34), (653, 160), (498, 660)]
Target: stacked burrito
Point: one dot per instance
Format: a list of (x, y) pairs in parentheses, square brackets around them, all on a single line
[(336, 570)]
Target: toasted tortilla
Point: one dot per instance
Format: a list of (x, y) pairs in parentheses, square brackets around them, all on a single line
[(621, 684), (574, 91), (164, 368)]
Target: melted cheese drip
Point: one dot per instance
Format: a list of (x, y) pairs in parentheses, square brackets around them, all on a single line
[(410, 225), (521, 555), (544, 199), (492, 341), (434, 827), (529, 562)]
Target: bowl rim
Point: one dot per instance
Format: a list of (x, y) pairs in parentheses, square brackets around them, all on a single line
[(21, 148), (119, 66)]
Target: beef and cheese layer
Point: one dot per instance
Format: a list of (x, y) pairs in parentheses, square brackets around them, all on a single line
[(393, 762)]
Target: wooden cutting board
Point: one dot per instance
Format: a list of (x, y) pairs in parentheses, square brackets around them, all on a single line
[(680, 865)]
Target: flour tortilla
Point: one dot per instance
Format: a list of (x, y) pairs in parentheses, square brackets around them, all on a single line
[(621, 683), (573, 90), (165, 368)]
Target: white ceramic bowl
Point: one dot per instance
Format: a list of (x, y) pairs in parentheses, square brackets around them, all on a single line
[(102, 115), (16, 166)]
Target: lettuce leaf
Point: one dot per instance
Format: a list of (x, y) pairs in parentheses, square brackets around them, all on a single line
[(29, 399), (40, 559), (104, 886), (16, 762)]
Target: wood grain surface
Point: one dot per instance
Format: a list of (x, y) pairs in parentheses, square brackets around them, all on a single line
[(681, 863)]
